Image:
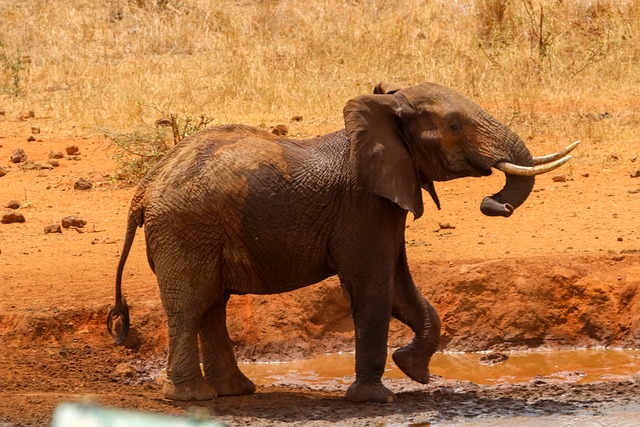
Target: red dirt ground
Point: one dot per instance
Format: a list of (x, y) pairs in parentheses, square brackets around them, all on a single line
[(564, 271)]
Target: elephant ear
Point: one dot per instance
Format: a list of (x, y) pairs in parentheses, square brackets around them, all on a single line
[(379, 153), (386, 88)]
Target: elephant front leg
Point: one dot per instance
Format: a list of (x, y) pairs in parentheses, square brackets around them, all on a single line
[(184, 378), (412, 309), (371, 314), (220, 367)]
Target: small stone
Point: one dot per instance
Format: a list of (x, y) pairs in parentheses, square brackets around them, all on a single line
[(446, 226), (72, 150), (53, 162), (559, 178), (11, 217), (3, 171), (73, 221), (620, 239), (53, 228), (125, 370), (31, 138), (13, 204), (280, 130), (29, 165), (27, 115), (56, 155), (636, 174), (18, 156), (83, 184), (35, 130), (296, 118), (2, 112), (165, 122), (493, 358)]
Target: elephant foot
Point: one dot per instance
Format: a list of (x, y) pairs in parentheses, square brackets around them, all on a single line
[(235, 385), (366, 392), (193, 390), (413, 363)]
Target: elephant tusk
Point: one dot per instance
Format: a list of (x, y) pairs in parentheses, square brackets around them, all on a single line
[(512, 169), (539, 160)]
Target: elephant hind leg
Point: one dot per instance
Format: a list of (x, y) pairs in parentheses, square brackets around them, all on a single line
[(184, 378), (185, 303), (220, 367)]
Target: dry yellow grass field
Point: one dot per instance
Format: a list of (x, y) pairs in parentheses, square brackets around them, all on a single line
[(553, 70)]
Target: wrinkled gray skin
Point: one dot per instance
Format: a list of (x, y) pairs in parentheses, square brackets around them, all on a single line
[(236, 210)]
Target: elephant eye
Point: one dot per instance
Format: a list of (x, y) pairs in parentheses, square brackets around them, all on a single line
[(455, 128)]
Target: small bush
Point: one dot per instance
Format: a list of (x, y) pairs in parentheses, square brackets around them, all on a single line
[(181, 127), (138, 151), (13, 67)]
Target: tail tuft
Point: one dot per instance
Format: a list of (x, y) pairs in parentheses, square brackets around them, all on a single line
[(118, 322)]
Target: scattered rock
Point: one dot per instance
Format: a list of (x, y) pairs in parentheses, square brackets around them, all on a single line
[(559, 178), (493, 358), (125, 370), (83, 184), (31, 165), (296, 118), (11, 217), (54, 163), (446, 226), (2, 112), (585, 175), (72, 150), (634, 191), (27, 115), (31, 138), (3, 171), (53, 228), (35, 130), (636, 174), (18, 156), (164, 122), (280, 130), (56, 155), (73, 221), (13, 204)]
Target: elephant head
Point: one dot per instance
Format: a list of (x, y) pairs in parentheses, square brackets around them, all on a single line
[(403, 140)]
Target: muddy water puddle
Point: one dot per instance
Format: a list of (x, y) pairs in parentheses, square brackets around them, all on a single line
[(528, 389), (567, 365)]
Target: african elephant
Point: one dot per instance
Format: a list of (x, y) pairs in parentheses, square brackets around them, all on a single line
[(236, 210)]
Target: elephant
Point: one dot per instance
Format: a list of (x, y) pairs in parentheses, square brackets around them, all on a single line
[(234, 209)]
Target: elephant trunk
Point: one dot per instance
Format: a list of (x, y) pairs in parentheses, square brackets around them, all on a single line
[(517, 188)]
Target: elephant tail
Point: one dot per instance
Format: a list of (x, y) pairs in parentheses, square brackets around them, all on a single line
[(120, 311)]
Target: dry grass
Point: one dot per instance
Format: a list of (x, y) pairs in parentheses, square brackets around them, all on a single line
[(548, 68)]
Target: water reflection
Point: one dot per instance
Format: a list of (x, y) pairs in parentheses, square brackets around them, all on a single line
[(572, 365)]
